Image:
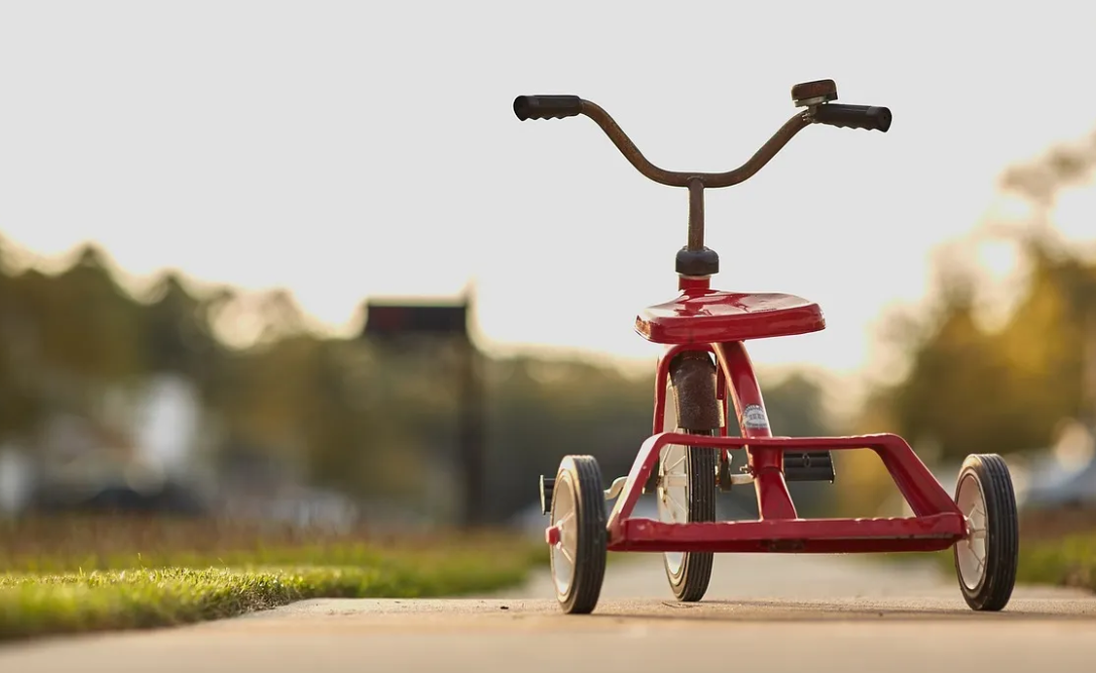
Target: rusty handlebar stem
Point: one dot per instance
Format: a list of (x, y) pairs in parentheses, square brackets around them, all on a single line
[(815, 97), (686, 179)]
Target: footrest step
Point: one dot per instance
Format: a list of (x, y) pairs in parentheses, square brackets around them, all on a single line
[(546, 485), (808, 466)]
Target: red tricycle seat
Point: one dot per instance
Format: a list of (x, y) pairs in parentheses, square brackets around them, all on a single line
[(711, 316)]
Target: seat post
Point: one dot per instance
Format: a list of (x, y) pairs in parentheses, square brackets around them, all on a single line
[(695, 260)]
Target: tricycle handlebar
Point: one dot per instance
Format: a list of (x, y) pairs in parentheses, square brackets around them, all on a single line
[(819, 110)]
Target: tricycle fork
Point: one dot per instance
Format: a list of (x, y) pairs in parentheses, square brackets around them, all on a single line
[(662, 380), (736, 385), (662, 377)]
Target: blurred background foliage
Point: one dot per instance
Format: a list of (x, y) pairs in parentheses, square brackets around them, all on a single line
[(1014, 387), (379, 426), (353, 416)]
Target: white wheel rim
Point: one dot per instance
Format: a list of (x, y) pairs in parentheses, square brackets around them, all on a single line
[(971, 552), (673, 483), (564, 517)]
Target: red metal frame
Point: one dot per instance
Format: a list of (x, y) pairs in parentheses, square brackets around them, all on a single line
[(937, 522), (719, 322)]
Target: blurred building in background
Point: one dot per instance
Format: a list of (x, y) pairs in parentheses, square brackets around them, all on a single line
[(425, 327)]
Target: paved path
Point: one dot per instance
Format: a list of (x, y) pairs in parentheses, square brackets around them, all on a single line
[(772, 613)]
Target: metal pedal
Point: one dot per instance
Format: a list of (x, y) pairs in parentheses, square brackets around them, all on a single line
[(808, 466), (546, 486)]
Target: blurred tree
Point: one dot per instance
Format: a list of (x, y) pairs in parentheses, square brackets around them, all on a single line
[(336, 433), (956, 395), (796, 407), (178, 335), (19, 404), (66, 337), (280, 315), (373, 422), (87, 324), (540, 411), (971, 390), (1041, 181)]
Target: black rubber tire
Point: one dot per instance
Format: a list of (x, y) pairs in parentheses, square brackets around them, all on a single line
[(693, 390), (584, 475), (994, 589)]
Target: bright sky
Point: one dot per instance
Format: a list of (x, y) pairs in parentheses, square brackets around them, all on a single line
[(349, 149)]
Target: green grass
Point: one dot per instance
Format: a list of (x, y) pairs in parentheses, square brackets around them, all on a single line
[(1069, 561), (72, 575), (121, 599)]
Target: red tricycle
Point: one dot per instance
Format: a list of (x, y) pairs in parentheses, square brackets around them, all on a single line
[(703, 372)]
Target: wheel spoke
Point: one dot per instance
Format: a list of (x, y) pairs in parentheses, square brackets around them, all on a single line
[(681, 507), (677, 462), (675, 481)]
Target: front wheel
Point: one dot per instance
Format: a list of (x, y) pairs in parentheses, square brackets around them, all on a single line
[(986, 561), (687, 474)]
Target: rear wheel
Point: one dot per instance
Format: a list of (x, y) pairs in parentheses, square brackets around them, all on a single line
[(986, 561), (687, 474), (578, 555)]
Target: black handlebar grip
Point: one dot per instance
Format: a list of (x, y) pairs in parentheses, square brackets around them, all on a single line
[(866, 117), (547, 107)]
